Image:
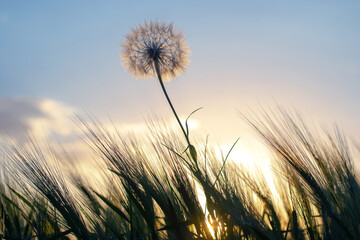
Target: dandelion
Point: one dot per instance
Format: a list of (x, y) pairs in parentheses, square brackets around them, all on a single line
[(157, 49)]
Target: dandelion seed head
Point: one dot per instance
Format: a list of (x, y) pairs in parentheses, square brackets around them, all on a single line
[(155, 41)]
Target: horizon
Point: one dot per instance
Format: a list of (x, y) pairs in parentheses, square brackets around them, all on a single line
[(61, 59)]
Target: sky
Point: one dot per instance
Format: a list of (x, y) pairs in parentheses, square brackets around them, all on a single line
[(60, 58)]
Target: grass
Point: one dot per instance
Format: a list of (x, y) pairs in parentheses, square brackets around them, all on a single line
[(154, 191)]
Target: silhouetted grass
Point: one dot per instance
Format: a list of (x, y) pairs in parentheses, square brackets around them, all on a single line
[(154, 189)]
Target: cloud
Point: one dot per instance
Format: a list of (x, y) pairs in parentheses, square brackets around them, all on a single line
[(23, 115), (16, 113), (48, 126)]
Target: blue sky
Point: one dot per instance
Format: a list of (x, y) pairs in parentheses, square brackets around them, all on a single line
[(304, 55)]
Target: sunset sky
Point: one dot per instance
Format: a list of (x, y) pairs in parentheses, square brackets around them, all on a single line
[(59, 58)]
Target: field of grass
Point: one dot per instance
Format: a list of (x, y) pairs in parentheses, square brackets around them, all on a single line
[(166, 191)]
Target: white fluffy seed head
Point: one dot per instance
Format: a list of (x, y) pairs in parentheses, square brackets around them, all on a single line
[(155, 41)]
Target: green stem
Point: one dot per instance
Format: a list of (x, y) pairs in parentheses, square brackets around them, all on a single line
[(157, 68)]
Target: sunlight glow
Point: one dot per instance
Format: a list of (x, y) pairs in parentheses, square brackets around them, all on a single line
[(247, 156)]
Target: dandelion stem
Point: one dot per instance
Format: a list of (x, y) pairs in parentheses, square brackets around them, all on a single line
[(157, 68)]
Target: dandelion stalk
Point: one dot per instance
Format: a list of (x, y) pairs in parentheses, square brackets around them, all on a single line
[(157, 68), (157, 49)]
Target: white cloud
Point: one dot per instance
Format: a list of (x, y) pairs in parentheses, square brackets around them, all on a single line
[(46, 123), (35, 116), (57, 118)]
